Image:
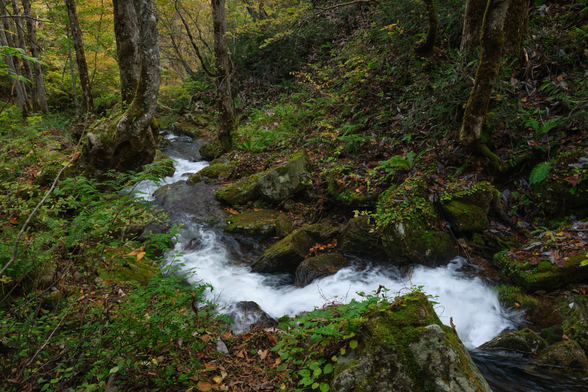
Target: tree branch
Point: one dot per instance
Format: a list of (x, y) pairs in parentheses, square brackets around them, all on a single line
[(346, 4)]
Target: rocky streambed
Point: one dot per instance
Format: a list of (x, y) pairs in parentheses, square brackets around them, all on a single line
[(245, 240)]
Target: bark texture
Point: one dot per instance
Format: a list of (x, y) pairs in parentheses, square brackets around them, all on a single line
[(26, 64), (88, 100), (492, 43), (39, 80), (126, 30), (129, 142), (223, 75), (425, 48)]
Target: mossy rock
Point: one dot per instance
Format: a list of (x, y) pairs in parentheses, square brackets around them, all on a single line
[(345, 195), (524, 341), (185, 128), (213, 172), (543, 275), (406, 348), (562, 358), (322, 232), (574, 310), (132, 270), (359, 236), (264, 223), (284, 255), (559, 194), (318, 267), (200, 120), (159, 156), (467, 210), (211, 150), (240, 192)]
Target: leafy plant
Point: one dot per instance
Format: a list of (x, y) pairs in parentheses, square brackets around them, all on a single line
[(539, 173)]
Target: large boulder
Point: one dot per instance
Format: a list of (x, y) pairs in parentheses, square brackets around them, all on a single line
[(318, 267), (406, 348), (246, 314), (565, 358), (525, 341), (410, 232), (264, 223), (216, 171), (346, 195), (274, 185), (539, 273), (359, 236), (467, 210), (574, 310), (284, 255)]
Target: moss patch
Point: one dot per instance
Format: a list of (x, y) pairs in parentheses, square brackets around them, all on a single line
[(265, 223)]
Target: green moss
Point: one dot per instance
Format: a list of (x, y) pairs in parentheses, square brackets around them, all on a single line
[(137, 270), (510, 296), (346, 195), (214, 171), (257, 223), (241, 192)]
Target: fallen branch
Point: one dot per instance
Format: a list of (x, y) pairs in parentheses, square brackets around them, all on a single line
[(346, 4)]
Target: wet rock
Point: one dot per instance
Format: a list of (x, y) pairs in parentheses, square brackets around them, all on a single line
[(185, 128), (275, 185), (565, 357), (359, 236), (406, 348), (214, 172), (344, 194), (246, 314), (319, 266), (211, 150), (322, 232), (467, 210), (284, 255), (524, 341), (543, 275), (575, 319), (264, 223), (409, 226)]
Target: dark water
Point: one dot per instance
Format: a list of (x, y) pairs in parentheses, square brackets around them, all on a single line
[(506, 373)]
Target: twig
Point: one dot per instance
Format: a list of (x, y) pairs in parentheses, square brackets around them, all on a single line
[(52, 332), (17, 241), (346, 4)]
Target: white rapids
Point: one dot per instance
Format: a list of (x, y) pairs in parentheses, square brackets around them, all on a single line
[(473, 306)]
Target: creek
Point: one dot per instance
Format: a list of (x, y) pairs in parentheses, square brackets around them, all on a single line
[(212, 256)]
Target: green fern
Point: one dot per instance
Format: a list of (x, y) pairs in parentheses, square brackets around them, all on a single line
[(540, 173)]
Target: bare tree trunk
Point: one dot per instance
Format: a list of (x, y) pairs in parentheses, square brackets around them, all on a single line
[(223, 75), (126, 30), (88, 101), (72, 72), (472, 24), (12, 62), (492, 42), (425, 47), (39, 82), (129, 142)]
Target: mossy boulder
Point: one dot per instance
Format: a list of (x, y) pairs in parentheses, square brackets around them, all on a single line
[(404, 347), (218, 171), (359, 236), (199, 119), (574, 310), (409, 226), (543, 275), (169, 165), (284, 255), (565, 190), (211, 150), (524, 341), (319, 266), (467, 210), (287, 179), (132, 270), (248, 313), (185, 128), (274, 185), (264, 223), (344, 194), (322, 232), (562, 358)]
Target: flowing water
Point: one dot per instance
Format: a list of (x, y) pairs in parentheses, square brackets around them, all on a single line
[(214, 257)]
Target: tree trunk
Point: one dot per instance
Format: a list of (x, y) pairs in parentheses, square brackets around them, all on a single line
[(425, 47), (223, 75), (126, 30), (87, 101), (128, 142), (13, 64), (39, 82), (492, 42), (72, 72), (515, 25)]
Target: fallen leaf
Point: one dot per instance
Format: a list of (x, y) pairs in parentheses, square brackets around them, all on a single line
[(209, 366), (572, 179), (565, 337), (246, 336), (13, 221), (204, 386), (217, 379), (264, 353), (518, 305), (272, 338), (206, 338)]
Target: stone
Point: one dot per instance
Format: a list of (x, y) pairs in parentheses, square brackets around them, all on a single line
[(264, 223), (359, 236), (467, 210), (218, 171), (346, 196), (542, 275), (318, 267), (284, 255), (406, 348), (185, 128), (322, 232), (287, 179), (240, 192), (132, 270), (246, 314), (562, 358), (525, 341)]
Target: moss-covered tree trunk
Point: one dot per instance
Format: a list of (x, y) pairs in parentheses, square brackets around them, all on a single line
[(32, 36), (26, 64), (492, 42), (126, 31), (425, 47), (223, 75), (129, 142)]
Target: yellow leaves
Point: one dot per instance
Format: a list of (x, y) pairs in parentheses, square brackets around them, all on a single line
[(139, 253)]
